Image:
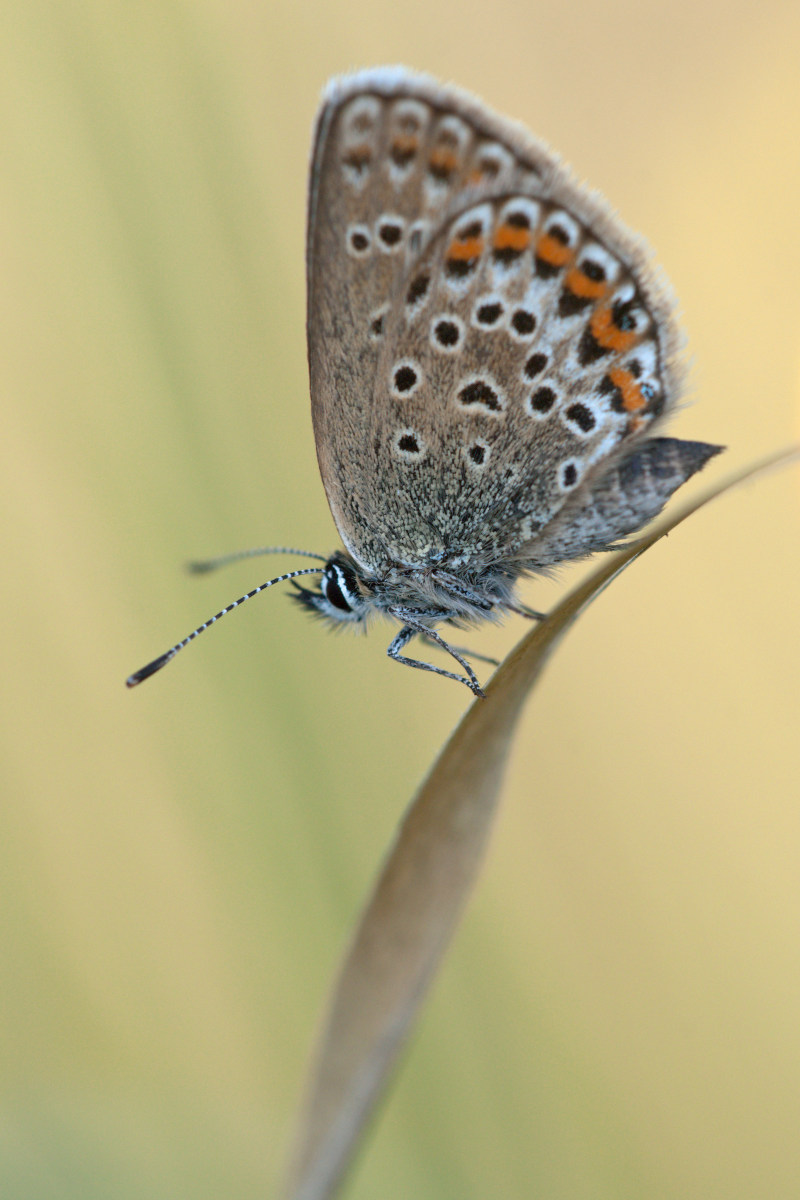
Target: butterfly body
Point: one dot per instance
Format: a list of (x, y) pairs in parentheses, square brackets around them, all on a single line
[(426, 591)]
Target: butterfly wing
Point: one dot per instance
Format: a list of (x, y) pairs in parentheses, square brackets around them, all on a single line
[(483, 335)]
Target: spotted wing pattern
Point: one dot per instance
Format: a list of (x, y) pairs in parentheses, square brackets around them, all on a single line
[(483, 339)]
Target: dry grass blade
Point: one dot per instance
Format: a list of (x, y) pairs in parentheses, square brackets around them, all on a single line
[(427, 878)]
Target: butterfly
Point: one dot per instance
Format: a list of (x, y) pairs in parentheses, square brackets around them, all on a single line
[(489, 355)]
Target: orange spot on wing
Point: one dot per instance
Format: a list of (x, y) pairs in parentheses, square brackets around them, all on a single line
[(511, 237), (467, 249), (358, 156), (632, 398), (553, 251), (405, 143), (581, 285), (606, 333), (483, 170), (442, 159)]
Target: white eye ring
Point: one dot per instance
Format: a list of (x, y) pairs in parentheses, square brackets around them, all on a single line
[(340, 596)]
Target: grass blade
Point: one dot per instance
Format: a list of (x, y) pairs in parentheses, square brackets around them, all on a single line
[(426, 880)]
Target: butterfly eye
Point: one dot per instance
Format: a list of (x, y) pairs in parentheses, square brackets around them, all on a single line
[(340, 588)]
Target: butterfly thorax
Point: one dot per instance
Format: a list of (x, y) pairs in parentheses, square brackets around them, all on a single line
[(425, 592)]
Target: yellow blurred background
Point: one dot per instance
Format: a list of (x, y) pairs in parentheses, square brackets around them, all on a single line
[(180, 865)]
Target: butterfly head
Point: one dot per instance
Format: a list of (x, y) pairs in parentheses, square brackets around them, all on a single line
[(343, 595)]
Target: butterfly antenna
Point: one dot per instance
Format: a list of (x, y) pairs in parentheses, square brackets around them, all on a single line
[(163, 659), (211, 564)]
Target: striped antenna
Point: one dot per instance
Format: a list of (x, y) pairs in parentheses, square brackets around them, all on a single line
[(211, 564), (163, 659)]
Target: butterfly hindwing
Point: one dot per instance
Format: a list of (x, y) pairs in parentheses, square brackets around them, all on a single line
[(524, 362)]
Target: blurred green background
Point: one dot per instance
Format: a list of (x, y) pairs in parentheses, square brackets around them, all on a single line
[(180, 866)]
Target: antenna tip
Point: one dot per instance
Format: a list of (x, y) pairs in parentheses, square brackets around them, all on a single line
[(151, 668)]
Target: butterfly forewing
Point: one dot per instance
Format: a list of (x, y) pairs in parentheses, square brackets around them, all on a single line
[(392, 153), (475, 314)]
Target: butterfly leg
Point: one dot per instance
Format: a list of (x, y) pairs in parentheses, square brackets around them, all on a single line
[(493, 662), (522, 610), (405, 635), (457, 588)]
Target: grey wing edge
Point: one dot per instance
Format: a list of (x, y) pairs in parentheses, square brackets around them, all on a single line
[(618, 502)]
